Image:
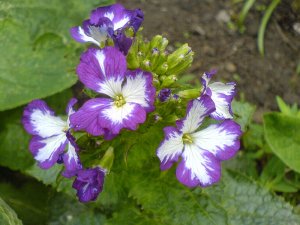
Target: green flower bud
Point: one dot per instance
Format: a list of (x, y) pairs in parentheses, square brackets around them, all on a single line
[(168, 81), (190, 93), (180, 60), (108, 159)]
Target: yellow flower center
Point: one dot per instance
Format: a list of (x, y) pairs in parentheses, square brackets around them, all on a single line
[(119, 101), (187, 139)]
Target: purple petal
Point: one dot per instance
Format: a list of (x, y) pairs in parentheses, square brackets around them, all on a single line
[(89, 183), (198, 167), (170, 148), (39, 119), (120, 17), (164, 94), (122, 42), (222, 95), (197, 110), (139, 89), (71, 103), (87, 117), (97, 66), (94, 33), (71, 158), (222, 140), (47, 150), (128, 116)]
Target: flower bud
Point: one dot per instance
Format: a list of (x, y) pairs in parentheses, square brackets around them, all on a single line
[(190, 93), (108, 159), (180, 60)]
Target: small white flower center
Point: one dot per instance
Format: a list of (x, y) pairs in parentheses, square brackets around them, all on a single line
[(119, 101), (187, 139)]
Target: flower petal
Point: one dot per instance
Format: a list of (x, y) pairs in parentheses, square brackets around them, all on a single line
[(120, 17), (197, 110), (127, 116), (198, 167), (89, 183), (87, 117), (170, 148), (71, 103), (94, 33), (222, 95), (97, 66), (47, 150), (222, 140), (71, 158), (139, 89), (38, 119)]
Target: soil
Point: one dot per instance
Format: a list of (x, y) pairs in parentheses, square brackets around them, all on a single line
[(203, 24)]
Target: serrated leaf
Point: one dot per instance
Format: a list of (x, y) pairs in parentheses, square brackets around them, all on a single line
[(37, 55), (247, 203), (283, 136), (7, 215)]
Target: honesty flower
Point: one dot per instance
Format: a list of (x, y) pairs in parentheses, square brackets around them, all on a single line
[(89, 183), (222, 95), (51, 135), (128, 95), (109, 21), (201, 151)]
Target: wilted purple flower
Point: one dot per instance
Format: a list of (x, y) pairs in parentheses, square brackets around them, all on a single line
[(221, 94), (164, 94), (129, 95), (201, 150), (51, 136), (89, 183), (109, 21)]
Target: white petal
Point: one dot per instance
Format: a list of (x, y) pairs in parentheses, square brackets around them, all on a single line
[(222, 95), (111, 87), (45, 124), (85, 37), (52, 144), (222, 140), (135, 90), (121, 23), (170, 148), (197, 110), (117, 114), (198, 167)]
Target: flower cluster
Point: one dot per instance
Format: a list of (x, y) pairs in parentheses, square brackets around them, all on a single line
[(129, 77)]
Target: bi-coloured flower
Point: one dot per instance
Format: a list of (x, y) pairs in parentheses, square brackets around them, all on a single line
[(89, 183), (126, 96), (201, 151), (221, 94), (51, 136), (109, 21)]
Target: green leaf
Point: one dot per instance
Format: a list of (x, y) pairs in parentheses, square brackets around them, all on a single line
[(247, 203), (14, 141), (283, 136), (28, 199), (243, 112), (37, 54), (7, 215)]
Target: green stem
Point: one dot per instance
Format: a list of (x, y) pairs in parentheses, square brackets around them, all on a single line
[(263, 25)]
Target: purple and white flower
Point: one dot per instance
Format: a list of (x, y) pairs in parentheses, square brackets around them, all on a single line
[(89, 183), (51, 135), (127, 95), (201, 151), (109, 21), (221, 94)]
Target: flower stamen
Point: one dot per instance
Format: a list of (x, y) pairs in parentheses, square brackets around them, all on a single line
[(187, 139), (120, 101)]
